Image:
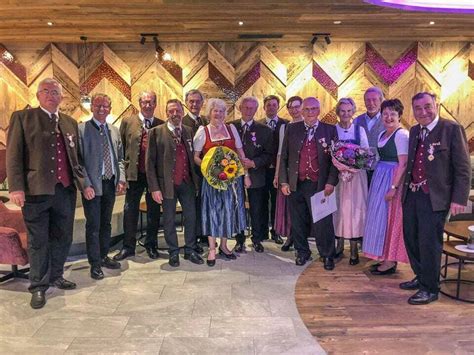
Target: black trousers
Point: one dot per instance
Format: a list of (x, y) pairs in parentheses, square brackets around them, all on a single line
[(258, 200), (186, 194), (98, 212), (49, 221), (270, 196), (131, 212), (302, 225), (423, 235)]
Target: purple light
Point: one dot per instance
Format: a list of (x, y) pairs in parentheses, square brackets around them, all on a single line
[(459, 6)]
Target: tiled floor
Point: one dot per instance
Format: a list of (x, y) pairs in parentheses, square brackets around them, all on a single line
[(245, 306)]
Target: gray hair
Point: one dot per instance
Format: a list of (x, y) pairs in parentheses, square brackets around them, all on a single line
[(377, 90), (213, 103), (49, 81), (193, 92), (421, 95), (147, 92), (345, 100), (249, 98)]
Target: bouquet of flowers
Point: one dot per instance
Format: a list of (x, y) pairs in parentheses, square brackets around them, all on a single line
[(221, 167), (349, 158)]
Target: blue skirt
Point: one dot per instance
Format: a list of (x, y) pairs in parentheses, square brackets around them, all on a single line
[(377, 209), (223, 212)]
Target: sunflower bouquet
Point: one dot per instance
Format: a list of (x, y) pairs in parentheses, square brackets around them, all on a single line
[(221, 167)]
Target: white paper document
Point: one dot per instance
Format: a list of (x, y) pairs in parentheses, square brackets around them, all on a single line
[(322, 206)]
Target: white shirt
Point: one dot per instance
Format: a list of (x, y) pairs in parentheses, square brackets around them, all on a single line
[(171, 127), (200, 137), (249, 123), (401, 141), (432, 125), (49, 113), (371, 121), (143, 118), (106, 132), (345, 134)]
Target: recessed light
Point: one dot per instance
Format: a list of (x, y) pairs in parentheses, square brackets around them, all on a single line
[(50, 23), (241, 23), (337, 22), (432, 22)]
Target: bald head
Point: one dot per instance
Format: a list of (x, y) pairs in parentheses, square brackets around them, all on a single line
[(311, 110)]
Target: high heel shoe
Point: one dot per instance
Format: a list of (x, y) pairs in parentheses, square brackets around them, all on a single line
[(211, 262), (230, 256), (390, 271)]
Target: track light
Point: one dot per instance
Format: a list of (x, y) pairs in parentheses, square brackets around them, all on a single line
[(143, 40), (327, 38)]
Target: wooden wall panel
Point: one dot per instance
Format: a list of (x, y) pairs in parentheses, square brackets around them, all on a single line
[(232, 70)]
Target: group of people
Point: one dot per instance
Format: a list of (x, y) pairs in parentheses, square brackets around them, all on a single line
[(421, 175)]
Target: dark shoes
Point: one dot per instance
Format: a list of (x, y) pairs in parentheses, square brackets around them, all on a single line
[(302, 259), (124, 254), (422, 297), (240, 248), (390, 271), (108, 263), (328, 264), (230, 256), (410, 285), (38, 299), (288, 244), (277, 239), (63, 284), (211, 263), (97, 273), (195, 258), (258, 247), (354, 261), (152, 253), (174, 260), (199, 249)]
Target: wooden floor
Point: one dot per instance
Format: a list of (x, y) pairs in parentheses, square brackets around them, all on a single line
[(348, 310)]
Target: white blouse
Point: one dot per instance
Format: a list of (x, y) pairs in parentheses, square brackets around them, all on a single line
[(401, 141), (345, 134), (200, 137)]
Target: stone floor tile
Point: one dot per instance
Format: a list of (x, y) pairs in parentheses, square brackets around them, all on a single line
[(233, 307), (159, 326), (104, 346), (287, 345), (20, 345), (152, 304), (252, 326), (207, 346)]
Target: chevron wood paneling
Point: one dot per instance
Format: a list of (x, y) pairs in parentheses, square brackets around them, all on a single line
[(232, 70)]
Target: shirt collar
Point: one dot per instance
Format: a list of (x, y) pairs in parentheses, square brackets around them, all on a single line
[(142, 118), (170, 126), (313, 126), (376, 117), (432, 124), (193, 116), (98, 123), (249, 123), (49, 113), (275, 119)]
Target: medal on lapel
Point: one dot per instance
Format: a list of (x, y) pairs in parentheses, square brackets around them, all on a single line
[(70, 138), (431, 150)]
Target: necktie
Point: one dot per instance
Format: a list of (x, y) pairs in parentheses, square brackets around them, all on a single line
[(55, 118), (108, 172), (272, 124), (310, 133), (245, 128), (177, 134), (147, 123), (199, 121), (423, 133)]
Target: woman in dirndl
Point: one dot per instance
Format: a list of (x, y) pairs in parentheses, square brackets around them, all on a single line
[(223, 211)]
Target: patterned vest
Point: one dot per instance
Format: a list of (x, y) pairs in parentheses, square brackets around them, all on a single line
[(308, 168), (181, 167)]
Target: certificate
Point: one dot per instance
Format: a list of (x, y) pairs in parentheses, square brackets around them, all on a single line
[(322, 206)]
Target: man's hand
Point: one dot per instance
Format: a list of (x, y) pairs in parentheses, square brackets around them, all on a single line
[(121, 187), (89, 193), (456, 209), (18, 198), (157, 196), (328, 189), (285, 189), (275, 181), (248, 163)]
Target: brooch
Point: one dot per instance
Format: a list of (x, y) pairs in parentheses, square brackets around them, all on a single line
[(431, 150), (70, 138), (253, 138), (323, 142)]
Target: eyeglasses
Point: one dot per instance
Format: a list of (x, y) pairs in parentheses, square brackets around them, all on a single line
[(105, 107), (53, 93)]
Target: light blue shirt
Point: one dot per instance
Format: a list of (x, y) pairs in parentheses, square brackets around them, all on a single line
[(106, 132), (371, 121)]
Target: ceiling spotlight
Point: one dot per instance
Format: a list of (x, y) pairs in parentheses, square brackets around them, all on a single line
[(327, 39), (241, 23), (337, 22), (314, 40), (50, 23), (143, 40), (326, 36), (432, 22), (167, 57)]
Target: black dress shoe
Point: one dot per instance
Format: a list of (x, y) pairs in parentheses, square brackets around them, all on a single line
[(288, 244), (96, 273), (230, 256), (195, 258), (277, 239), (124, 254), (410, 285), (211, 263), (108, 263), (63, 284), (354, 261), (38, 299), (240, 248), (390, 271), (174, 260), (374, 267), (199, 249), (328, 264), (422, 297), (203, 240), (152, 253), (258, 247), (302, 259)]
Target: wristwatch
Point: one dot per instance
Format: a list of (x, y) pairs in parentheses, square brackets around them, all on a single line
[(393, 187)]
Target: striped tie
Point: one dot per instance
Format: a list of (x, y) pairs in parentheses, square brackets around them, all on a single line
[(108, 171)]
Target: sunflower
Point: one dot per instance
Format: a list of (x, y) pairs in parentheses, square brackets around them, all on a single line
[(231, 170)]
